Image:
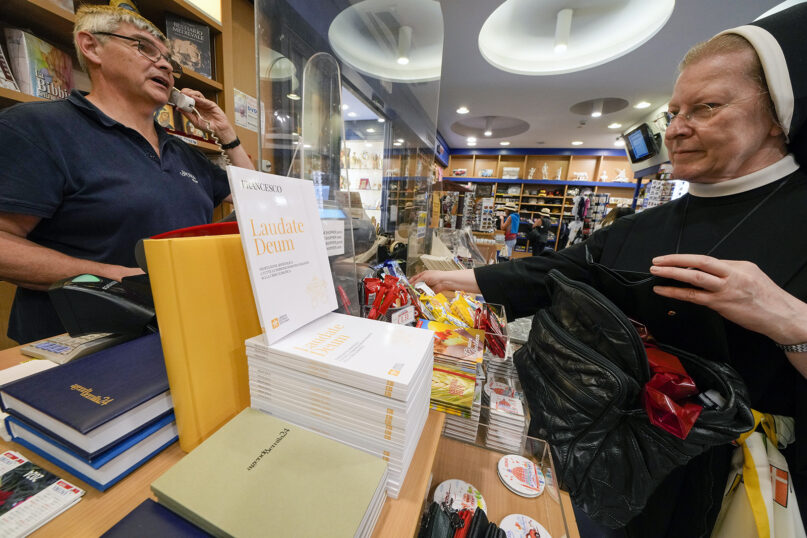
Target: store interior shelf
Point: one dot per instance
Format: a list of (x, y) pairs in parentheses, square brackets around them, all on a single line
[(623, 184), (42, 17), (192, 79), (12, 97)]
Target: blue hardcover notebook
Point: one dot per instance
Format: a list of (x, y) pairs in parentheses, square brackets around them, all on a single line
[(152, 519), (18, 428), (94, 402), (115, 469)]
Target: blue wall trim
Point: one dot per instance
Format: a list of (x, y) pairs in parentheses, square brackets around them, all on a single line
[(541, 151)]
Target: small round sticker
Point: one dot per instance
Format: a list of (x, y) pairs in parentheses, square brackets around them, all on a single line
[(521, 526), (521, 476), (460, 494)]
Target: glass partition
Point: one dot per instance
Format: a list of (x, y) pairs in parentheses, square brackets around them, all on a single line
[(348, 97)]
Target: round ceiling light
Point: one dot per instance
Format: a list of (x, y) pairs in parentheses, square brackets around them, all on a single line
[(391, 40), (522, 36), (500, 126)]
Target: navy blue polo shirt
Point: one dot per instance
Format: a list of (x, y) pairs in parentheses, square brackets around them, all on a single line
[(98, 187)]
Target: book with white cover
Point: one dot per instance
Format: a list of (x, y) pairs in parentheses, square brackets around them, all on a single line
[(372, 355), (284, 245)]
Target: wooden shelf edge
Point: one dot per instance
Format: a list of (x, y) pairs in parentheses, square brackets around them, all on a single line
[(200, 82), (12, 97), (207, 147)]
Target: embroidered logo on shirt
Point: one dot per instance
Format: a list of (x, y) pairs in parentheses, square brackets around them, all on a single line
[(185, 173)]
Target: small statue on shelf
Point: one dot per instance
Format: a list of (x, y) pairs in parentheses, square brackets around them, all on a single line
[(620, 175), (545, 171), (559, 174), (604, 175), (532, 173)]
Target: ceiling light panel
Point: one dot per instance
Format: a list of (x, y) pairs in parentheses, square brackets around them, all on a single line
[(391, 40), (520, 35)]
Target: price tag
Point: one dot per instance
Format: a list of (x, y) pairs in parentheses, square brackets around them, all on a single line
[(403, 316)]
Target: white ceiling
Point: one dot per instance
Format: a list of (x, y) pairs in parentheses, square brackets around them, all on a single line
[(647, 73)]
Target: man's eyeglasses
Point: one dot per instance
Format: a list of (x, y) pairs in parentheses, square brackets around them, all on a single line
[(702, 113), (150, 51)]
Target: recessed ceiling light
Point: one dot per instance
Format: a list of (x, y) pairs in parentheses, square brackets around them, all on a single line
[(401, 140), (504, 143), (306, 146), (351, 114), (463, 110), (619, 143), (368, 144), (370, 130), (596, 114), (397, 143), (615, 125), (345, 107), (293, 96), (471, 139), (471, 143), (403, 60), (641, 104), (577, 142), (381, 120)]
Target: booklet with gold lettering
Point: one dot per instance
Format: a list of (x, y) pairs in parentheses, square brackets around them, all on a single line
[(284, 245)]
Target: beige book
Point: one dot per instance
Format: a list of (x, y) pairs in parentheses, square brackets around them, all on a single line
[(261, 476)]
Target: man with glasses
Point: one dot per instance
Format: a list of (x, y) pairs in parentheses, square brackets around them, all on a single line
[(735, 245), (83, 179)]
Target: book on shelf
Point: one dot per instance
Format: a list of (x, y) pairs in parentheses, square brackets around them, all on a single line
[(203, 333), (109, 467), (93, 402), (285, 250), (31, 496), (187, 127), (153, 519), (259, 475), (39, 68), (6, 76), (165, 116), (190, 43)]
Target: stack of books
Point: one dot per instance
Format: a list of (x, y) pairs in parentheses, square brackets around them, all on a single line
[(362, 382), (261, 476), (98, 417), (466, 429), (457, 364), (507, 427)]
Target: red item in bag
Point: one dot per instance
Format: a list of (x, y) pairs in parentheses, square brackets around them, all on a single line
[(669, 375), (664, 396)]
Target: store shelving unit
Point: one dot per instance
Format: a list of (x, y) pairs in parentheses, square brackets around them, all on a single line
[(53, 24), (509, 175)]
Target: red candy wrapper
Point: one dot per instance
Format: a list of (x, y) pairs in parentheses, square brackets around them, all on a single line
[(664, 396), (669, 375)]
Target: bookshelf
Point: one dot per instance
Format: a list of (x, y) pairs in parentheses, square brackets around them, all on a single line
[(46, 20), (555, 193)]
